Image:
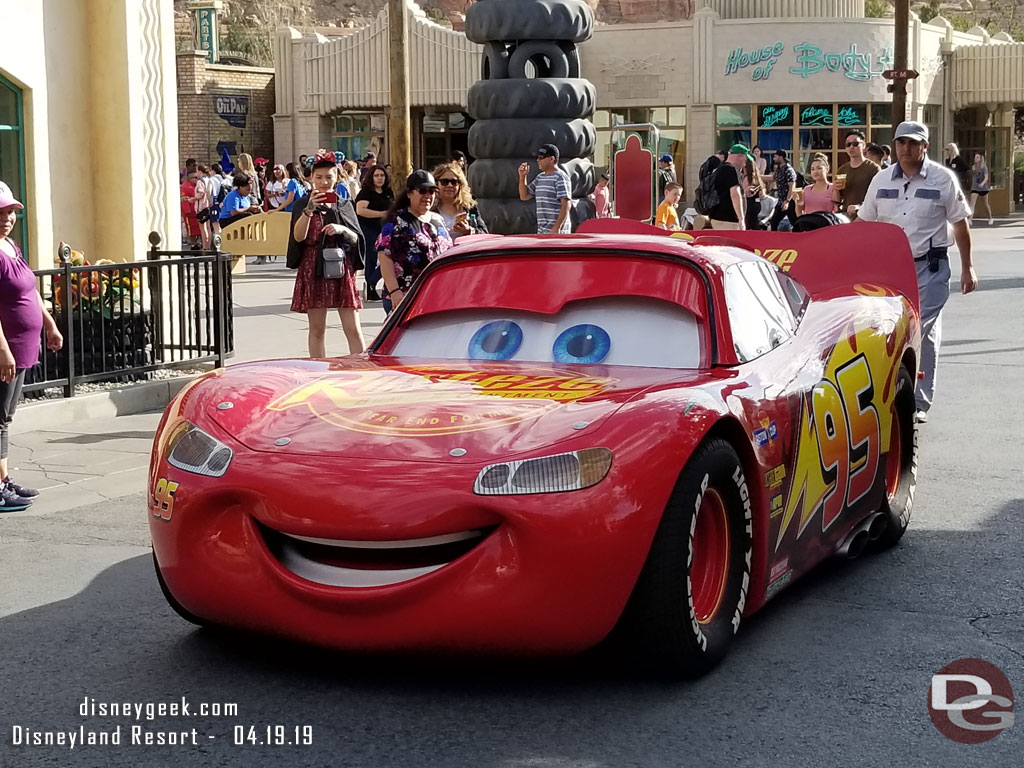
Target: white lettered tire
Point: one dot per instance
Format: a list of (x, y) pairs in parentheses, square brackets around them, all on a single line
[(689, 600)]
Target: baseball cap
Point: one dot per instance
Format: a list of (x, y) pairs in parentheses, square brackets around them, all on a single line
[(420, 179), (548, 150), (665, 159), (739, 149), (7, 198), (912, 130)]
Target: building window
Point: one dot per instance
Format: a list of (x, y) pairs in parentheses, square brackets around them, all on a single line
[(670, 122), (443, 133), (12, 153), (803, 130), (357, 133)]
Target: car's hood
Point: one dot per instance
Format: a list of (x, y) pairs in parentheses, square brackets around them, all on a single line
[(383, 409)]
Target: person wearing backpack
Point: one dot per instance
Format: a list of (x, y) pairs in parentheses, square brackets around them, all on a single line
[(721, 192)]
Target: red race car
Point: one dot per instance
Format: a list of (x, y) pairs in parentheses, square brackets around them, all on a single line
[(554, 441)]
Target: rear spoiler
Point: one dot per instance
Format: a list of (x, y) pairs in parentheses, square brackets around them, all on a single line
[(860, 257)]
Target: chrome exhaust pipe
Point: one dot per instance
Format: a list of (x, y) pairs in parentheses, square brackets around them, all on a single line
[(857, 540)]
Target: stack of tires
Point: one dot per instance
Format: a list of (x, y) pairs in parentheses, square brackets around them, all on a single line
[(531, 94)]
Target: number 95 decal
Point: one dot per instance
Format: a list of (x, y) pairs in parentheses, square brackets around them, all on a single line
[(163, 498)]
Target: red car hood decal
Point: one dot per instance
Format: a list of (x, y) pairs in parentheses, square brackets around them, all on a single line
[(357, 408)]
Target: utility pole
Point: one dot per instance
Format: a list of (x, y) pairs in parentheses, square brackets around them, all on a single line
[(899, 86), (399, 153)]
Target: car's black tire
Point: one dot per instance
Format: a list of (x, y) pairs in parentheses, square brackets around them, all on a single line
[(547, 58), (488, 20), (689, 600), (521, 138), (495, 62), (172, 601), (500, 177), (901, 477), (562, 98)]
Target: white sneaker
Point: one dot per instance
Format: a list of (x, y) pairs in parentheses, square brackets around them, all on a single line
[(991, 222)]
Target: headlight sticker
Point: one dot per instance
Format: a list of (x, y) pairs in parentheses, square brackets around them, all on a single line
[(572, 471)]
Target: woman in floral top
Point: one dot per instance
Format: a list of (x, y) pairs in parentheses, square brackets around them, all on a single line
[(413, 235)]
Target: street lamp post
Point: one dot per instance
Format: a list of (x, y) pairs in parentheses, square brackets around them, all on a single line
[(399, 152), (899, 86)]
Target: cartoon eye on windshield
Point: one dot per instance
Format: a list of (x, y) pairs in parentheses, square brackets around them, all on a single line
[(498, 340), (588, 344), (627, 330)]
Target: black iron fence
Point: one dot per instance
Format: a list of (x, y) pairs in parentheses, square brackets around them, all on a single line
[(122, 321)]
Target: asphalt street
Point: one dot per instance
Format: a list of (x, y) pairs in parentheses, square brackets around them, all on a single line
[(835, 671)]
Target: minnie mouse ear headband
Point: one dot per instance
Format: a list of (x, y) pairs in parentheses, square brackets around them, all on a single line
[(324, 159)]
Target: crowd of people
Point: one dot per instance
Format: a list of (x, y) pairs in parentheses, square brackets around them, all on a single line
[(739, 190)]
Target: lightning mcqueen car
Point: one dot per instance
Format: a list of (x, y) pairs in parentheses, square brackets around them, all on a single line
[(554, 441)]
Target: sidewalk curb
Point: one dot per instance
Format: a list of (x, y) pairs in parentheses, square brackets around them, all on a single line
[(137, 398)]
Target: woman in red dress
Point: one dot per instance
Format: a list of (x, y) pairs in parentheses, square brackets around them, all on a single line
[(322, 220)]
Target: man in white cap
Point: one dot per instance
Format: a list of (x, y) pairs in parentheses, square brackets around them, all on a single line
[(924, 199)]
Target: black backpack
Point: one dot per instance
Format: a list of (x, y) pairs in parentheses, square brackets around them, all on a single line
[(707, 198)]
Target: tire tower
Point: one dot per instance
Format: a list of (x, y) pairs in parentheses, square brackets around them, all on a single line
[(530, 94)]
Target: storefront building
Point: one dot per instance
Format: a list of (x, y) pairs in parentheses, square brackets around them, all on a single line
[(88, 138), (335, 92), (779, 74)]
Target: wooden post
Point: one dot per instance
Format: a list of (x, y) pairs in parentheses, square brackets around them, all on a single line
[(399, 153), (899, 87)]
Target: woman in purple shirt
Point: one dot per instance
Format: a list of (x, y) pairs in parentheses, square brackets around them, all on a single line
[(22, 318)]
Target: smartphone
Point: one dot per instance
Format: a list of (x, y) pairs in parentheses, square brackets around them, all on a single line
[(330, 198)]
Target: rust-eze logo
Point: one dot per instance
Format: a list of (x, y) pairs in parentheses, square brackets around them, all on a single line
[(437, 400), (970, 701)]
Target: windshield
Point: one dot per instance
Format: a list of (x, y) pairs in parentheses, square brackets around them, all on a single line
[(623, 330)]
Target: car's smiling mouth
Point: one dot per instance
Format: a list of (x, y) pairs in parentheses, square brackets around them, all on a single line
[(361, 564)]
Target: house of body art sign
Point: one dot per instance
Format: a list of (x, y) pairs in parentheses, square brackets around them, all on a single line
[(807, 60)]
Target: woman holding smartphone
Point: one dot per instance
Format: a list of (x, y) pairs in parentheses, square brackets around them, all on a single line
[(325, 221), (455, 202)]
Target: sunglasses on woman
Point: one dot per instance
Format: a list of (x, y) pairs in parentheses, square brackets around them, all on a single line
[(448, 182), (426, 190)]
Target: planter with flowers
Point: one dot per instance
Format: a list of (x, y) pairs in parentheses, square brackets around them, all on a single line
[(109, 319)]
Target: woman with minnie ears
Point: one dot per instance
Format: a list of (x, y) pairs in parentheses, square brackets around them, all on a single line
[(322, 220), (23, 317)]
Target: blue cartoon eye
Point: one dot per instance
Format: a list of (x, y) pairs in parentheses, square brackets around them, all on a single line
[(499, 340), (588, 344)]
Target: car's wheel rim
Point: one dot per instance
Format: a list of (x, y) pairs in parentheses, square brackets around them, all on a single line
[(894, 466), (709, 569)]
